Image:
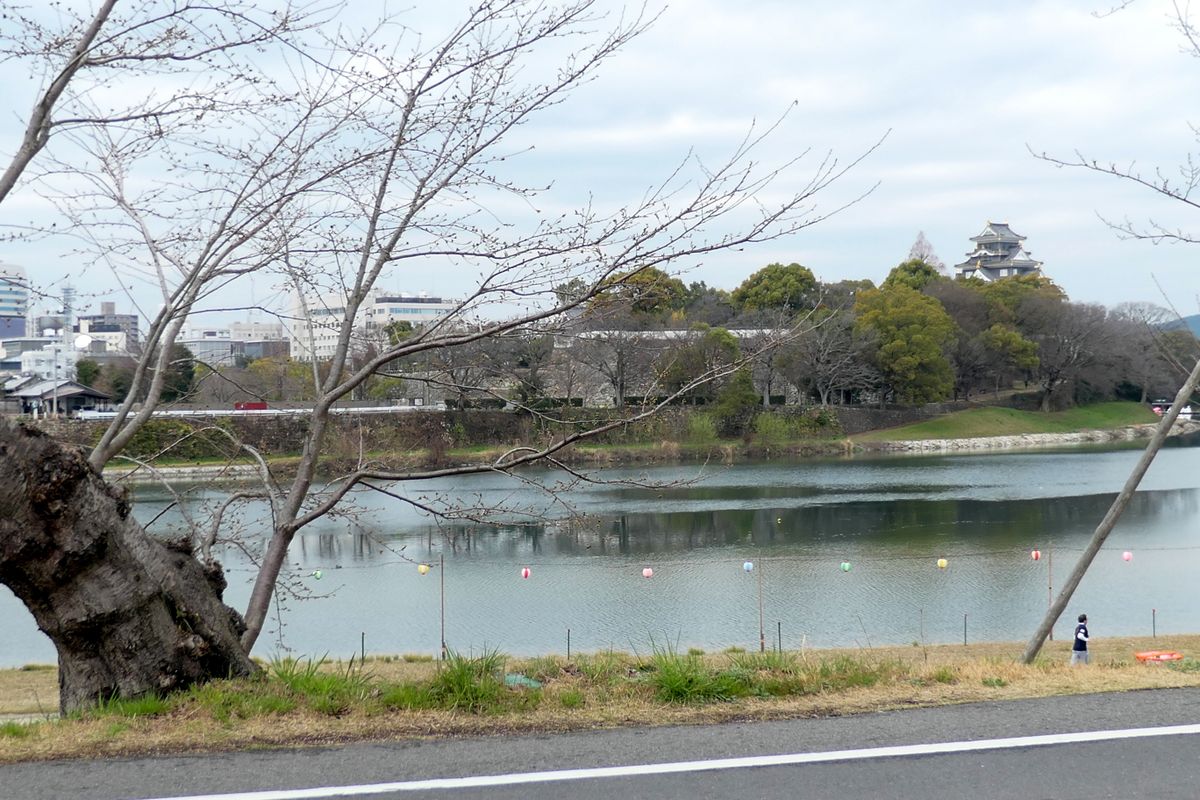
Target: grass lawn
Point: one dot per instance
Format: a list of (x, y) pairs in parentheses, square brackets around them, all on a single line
[(303, 703), (978, 422)]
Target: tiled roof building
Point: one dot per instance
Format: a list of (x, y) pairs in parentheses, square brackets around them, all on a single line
[(999, 253)]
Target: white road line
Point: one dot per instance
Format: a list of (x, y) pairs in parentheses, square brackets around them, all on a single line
[(696, 766)]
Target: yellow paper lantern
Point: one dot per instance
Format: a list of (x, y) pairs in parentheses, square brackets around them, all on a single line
[(423, 569), (943, 563)]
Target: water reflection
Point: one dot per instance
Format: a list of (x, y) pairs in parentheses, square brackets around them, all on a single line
[(891, 519)]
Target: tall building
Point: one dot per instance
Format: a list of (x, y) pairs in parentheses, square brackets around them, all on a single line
[(999, 253), (14, 301), (376, 313), (109, 321)]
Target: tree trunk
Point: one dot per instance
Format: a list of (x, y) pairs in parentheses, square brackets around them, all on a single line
[(128, 614)]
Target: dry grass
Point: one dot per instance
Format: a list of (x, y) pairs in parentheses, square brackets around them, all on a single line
[(596, 691)]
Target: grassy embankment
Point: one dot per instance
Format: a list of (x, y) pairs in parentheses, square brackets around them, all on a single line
[(994, 421), (773, 436), (304, 703)]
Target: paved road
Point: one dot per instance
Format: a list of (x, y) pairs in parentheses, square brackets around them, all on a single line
[(1139, 767)]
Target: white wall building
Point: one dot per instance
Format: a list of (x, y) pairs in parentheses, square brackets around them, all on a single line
[(54, 361), (380, 310), (212, 346), (257, 331)]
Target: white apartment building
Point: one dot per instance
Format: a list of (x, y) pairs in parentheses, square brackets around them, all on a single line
[(380, 310)]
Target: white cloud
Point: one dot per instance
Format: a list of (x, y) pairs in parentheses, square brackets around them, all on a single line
[(963, 87)]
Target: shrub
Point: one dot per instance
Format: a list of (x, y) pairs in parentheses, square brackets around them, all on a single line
[(470, 684), (571, 698), (701, 429), (771, 429), (326, 692), (15, 730), (685, 679)]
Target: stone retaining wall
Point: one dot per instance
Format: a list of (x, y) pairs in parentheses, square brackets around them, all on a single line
[(1030, 440)]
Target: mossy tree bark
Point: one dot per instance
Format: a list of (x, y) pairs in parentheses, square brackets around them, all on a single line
[(129, 615)]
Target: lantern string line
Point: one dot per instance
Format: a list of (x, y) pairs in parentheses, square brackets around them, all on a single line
[(628, 561)]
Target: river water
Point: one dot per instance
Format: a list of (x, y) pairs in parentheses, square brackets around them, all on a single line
[(798, 522)]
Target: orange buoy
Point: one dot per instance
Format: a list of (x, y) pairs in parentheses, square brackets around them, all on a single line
[(1158, 656)]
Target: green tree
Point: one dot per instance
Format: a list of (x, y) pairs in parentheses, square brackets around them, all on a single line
[(1009, 351), (737, 404), (181, 373), (915, 273), (116, 378), (707, 305), (397, 331), (775, 286), (648, 291), (571, 291), (1005, 297), (707, 351), (911, 333), (87, 371)]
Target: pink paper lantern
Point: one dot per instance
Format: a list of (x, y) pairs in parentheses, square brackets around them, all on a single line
[(1036, 555), (1128, 556), (647, 573), (524, 572)]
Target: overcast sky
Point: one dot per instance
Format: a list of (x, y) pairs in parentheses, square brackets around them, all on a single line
[(962, 92)]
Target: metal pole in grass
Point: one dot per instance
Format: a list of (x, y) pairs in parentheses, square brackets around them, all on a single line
[(442, 577), (779, 635), (1050, 580), (568, 644), (762, 639), (363, 658), (1154, 623), (964, 630)]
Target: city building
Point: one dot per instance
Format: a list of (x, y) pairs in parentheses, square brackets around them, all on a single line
[(14, 301), (380, 310), (109, 321), (224, 347), (53, 361), (999, 253), (212, 346)]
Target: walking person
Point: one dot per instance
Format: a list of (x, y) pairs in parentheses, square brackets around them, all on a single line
[(1079, 651)]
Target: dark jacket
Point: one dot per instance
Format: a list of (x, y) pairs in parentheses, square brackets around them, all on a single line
[(1081, 637)]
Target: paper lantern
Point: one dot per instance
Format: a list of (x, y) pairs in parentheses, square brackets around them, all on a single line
[(942, 563), (524, 572), (845, 566), (1036, 555), (748, 566), (647, 573), (1128, 556), (316, 573), (423, 569), (779, 520)]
